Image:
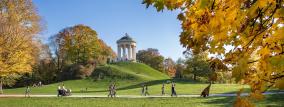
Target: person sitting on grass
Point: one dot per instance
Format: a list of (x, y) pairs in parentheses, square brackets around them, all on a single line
[(59, 91), (39, 83), (28, 90), (64, 89), (34, 85)]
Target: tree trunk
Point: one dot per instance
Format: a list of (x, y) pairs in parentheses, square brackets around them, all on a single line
[(58, 61), (1, 87), (194, 77)]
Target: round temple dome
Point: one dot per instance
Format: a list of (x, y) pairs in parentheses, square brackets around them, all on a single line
[(125, 38), (126, 49)]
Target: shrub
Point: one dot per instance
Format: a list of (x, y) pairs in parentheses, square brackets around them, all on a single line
[(77, 71)]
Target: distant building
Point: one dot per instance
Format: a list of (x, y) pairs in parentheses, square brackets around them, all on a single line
[(126, 49)]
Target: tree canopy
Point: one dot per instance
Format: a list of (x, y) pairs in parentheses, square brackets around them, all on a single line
[(152, 58), (252, 29), (198, 66), (77, 52), (19, 26), (170, 67), (79, 44)]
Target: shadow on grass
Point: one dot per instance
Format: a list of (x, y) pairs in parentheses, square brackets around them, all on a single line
[(222, 101), (157, 82), (274, 100), (149, 83)]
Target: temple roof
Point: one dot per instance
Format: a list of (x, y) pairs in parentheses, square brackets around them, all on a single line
[(125, 38)]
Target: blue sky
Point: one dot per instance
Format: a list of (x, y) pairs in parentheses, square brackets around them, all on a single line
[(112, 19)]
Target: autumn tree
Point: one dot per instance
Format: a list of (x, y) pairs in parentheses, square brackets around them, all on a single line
[(106, 53), (78, 44), (76, 48), (19, 24), (252, 28), (152, 58), (45, 68), (180, 67), (170, 67)]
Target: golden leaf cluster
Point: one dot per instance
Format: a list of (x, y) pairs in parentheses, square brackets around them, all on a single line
[(19, 24), (253, 28)]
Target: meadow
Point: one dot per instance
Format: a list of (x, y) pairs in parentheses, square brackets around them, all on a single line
[(128, 78), (128, 87)]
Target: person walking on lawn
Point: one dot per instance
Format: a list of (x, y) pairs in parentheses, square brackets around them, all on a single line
[(173, 89), (146, 91), (27, 92), (163, 89)]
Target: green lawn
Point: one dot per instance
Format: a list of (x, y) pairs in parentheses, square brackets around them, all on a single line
[(129, 77), (270, 101), (129, 87)]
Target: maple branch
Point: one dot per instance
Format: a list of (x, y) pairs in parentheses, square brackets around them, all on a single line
[(212, 7), (253, 25), (268, 81), (273, 12), (252, 61), (261, 28), (278, 76)]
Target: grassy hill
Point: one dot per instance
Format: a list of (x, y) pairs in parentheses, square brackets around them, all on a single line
[(128, 77), (129, 71)]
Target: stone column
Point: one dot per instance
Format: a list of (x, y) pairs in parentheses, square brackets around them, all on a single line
[(133, 53), (119, 52), (129, 52), (124, 52)]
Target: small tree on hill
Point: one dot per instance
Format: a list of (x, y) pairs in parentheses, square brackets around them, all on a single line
[(152, 58)]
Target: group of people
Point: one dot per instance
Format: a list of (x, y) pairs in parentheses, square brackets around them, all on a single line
[(63, 91), (144, 91), (39, 84), (112, 90)]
